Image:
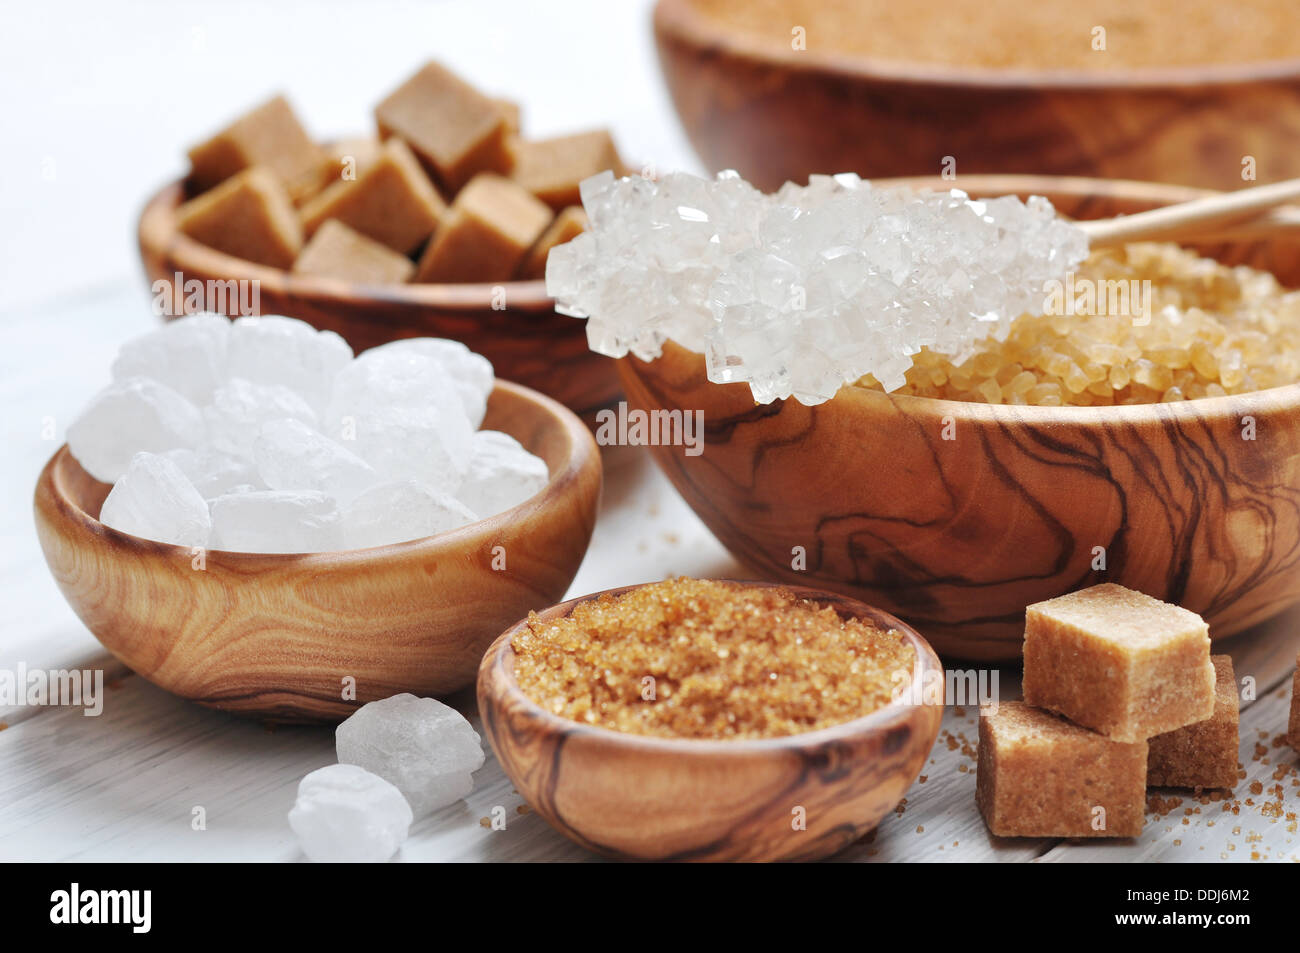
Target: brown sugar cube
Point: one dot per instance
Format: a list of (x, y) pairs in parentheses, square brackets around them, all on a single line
[(391, 201), (347, 160), (1037, 775), (492, 224), (1293, 732), (249, 216), (269, 136), (552, 169), (454, 129), (1118, 662), (1204, 754), (512, 113), (568, 225), (336, 251)]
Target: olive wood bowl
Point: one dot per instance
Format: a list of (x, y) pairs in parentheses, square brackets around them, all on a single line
[(284, 636), (780, 114), (958, 536), (652, 798), (525, 339)]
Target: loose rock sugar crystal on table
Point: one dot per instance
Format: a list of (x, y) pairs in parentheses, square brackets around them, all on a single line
[(807, 289), (266, 435)]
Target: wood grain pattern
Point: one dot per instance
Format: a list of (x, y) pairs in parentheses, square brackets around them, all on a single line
[(625, 795), (780, 115), (526, 341), (275, 636), (958, 536)]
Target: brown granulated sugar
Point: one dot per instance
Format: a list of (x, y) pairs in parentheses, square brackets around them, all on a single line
[(689, 658)]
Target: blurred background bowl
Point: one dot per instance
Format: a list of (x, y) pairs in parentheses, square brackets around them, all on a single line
[(957, 536), (276, 636), (780, 114), (524, 338)]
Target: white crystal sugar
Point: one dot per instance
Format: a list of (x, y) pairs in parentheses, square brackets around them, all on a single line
[(345, 814)]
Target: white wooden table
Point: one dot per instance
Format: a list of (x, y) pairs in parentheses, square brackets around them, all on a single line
[(123, 786)]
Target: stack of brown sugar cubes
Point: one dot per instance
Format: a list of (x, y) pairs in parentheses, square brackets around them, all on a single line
[(448, 192), (1121, 693)]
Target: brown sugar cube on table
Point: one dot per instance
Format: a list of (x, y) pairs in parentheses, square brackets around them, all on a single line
[(552, 169), (1204, 754), (336, 251), (486, 233), (269, 136), (1118, 662), (568, 225), (391, 201), (452, 128), (1037, 775), (249, 216)]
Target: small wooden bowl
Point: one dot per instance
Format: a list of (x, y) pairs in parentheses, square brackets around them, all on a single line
[(651, 798), (958, 536), (277, 636), (526, 341), (780, 115)]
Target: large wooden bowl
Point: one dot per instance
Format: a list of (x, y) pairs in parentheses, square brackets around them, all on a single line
[(279, 636), (958, 536), (780, 115), (526, 341), (651, 798)]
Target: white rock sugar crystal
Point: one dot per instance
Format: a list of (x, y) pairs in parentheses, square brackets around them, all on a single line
[(127, 417), (276, 521), (810, 288), (239, 408), (501, 474), (470, 374), (155, 500), (289, 352), (425, 748), (345, 814), (400, 511), (292, 456), (295, 445), (188, 355)]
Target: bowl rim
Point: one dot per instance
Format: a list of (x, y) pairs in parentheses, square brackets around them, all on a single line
[(580, 455), (497, 670), (1194, 410), (159, 236), (683, 21)]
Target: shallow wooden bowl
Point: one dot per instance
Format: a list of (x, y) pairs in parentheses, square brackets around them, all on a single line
[(277, 636), (780, 115), (651, 798), (526, 341), (958, 536)]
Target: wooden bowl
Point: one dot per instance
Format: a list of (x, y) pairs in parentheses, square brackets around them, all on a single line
[(277, 636), (652, 798), (526, 340), (958, 536), (780, 115)]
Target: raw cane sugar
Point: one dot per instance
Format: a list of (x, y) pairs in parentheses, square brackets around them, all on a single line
[(689, 658), (269, 136), (337, 251), (485, 235), (553, 169), (1119, 662), (1038, 775), (1203, 754), (392, 202), (454, 129), (568, 225), (250, 216)]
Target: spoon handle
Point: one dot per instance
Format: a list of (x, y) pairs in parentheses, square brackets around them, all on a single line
[(1189, 221)]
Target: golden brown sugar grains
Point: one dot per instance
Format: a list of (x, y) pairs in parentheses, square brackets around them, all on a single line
[(689, 658), (1042, 34), (1210, 330)]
